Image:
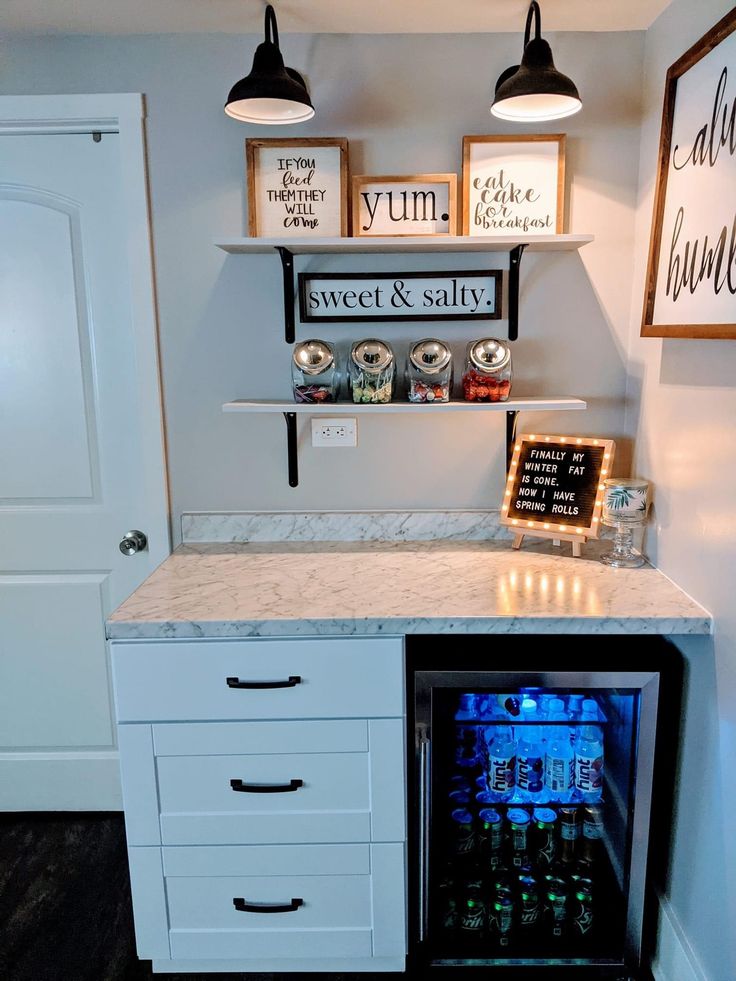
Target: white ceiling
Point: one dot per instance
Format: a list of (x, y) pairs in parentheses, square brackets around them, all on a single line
[(321, 16)]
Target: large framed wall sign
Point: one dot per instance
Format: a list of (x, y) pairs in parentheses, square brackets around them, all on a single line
[(326, 298), (513, 185), (416, 204), (691, 276), (297, 187)]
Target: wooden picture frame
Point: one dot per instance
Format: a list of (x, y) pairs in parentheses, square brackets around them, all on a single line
[(578, 490), (321, 204), (514, 218), (380, 220), (703, 173)]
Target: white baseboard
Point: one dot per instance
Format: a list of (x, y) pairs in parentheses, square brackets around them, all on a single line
[(63, 781), (674, 960)]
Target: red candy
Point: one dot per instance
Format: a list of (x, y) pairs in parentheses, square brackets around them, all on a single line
[(478, 387)]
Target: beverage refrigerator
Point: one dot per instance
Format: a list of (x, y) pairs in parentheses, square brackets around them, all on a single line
[(532, 768)]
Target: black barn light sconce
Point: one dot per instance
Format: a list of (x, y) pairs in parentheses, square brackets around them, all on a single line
[(271, 95), (535, 91)]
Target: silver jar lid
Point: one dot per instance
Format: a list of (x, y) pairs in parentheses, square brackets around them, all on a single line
[(313, 357), (372, 355), (430, 355), (489, 354)]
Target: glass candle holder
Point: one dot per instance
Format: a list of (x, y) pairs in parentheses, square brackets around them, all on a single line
[(625, 506)]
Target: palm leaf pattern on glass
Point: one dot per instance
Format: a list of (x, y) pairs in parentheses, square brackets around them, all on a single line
[(619, 498)]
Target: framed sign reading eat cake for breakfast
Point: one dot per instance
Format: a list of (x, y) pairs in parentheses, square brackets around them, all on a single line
[(691, 276)]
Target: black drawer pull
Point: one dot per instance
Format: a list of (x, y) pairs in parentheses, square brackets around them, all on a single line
[(266, 788), (242, 907), (294, 679)]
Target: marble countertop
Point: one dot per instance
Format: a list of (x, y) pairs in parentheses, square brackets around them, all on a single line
[(341, 588)]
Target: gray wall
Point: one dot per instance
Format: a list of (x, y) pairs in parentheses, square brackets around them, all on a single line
[(404, 101), (682, 410)]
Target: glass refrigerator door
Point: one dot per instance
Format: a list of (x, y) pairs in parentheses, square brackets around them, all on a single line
[(535, 794)]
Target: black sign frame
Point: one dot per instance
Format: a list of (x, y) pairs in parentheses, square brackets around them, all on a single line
[(585, 488), (494, 274)]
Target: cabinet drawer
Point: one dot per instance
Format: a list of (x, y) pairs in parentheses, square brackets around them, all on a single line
[(327, 908), (188, 680)]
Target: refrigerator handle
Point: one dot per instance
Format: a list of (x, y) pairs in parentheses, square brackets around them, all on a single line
[(424, 792)]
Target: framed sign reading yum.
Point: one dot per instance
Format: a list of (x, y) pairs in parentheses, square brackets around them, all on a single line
[(416, 204), (691, 278)]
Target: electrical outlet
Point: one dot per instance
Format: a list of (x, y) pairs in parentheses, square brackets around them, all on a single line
[(334, 432)]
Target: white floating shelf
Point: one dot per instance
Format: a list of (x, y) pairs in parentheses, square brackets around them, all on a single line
[(532, 404), (419, 243)]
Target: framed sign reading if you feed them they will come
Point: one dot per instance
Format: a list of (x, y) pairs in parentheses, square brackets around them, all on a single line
[(691, 275), (514, 185), (297, 187)]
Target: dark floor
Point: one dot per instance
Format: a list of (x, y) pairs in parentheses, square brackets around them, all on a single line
[(65, 912)]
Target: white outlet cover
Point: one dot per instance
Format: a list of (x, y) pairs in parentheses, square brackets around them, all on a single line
[(334, 432)]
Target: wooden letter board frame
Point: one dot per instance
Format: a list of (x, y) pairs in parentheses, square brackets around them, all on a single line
[(566, 530)]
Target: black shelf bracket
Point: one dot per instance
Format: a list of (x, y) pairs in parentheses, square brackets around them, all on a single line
[(287, 265), (511, 420), (291, 450), (514, 262)]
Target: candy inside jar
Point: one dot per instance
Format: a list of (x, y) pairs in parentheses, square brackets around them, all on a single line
[(429, 371), (371, 370), (488, 371), (314, 372)]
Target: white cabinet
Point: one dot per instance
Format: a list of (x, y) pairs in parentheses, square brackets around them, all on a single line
[(263, 783)]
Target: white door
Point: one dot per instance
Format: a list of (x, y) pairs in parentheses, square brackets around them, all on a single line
[(76, 471)]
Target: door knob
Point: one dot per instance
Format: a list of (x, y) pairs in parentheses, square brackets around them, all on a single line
[(132, 542)]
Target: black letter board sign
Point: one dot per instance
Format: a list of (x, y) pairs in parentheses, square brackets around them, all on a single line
[(554, 487)]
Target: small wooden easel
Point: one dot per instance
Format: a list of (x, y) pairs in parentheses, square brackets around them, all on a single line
[(557, 539)]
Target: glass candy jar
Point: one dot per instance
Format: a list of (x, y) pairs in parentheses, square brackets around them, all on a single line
[(314, 372), (429, 371), (371, 370), (488, 372)]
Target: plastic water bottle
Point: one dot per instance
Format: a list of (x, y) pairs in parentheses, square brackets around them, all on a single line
[(574, 712), (559, 760), (589, 755), (501, 763), (466, 735), (530, 756), (544, 704)]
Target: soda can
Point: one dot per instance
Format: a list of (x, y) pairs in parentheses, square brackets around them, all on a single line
[(501, 919), (460, 782), (581, 910), (555, 906), (592, 834), (529, 905), (459, 798), (463, 835), (545, 838), (569, 834), (473, 910), (519, 822), (490, 838)]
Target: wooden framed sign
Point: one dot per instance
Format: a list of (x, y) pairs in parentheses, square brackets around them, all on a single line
[(326, 298), (554, 487), (691, 276), (416, 204), (513, 185), (297, 187)]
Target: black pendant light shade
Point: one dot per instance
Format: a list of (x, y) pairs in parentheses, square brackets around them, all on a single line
[(535, 91), (271, 95)]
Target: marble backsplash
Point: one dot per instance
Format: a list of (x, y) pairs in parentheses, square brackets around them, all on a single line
[(341, 526)]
